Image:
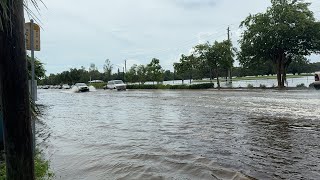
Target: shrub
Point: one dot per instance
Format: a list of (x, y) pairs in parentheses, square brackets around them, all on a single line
[(202, 86), (41, 168), (262, 86), (301, 85), (250, 86)]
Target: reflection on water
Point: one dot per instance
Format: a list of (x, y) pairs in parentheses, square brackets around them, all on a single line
[(182, 134)]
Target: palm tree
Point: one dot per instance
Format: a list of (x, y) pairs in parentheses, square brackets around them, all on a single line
[(15, 103)]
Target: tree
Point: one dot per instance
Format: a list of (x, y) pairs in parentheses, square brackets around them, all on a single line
[(107, 68), (39, 70), (287, 29), (14, 93), (168, 75), (94, 74), (155, 70), (217, 56), (142, 74), (298, 65), (188, 65), (131, 75)]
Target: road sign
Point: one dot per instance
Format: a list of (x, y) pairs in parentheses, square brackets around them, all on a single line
[(36, 36)]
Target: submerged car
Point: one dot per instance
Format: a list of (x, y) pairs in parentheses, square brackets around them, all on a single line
[(116, 84), (316, 83), (82, 87)]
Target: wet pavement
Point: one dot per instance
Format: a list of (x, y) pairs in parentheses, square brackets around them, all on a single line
[(162, 134)]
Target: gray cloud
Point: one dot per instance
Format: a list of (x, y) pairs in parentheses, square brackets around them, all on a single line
[(190, 4)]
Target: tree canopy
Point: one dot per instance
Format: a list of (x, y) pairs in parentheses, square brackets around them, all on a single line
[(287, 29)]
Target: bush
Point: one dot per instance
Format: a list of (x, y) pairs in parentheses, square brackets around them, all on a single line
[(250, 86), (301, 85), (202, 86), (41, 168), (262, 86)]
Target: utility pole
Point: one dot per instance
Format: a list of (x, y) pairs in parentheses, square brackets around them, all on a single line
[(15, 94), (229, 70), (125, 65)]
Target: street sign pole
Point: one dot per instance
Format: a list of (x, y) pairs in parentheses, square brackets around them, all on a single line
[(32, 82)]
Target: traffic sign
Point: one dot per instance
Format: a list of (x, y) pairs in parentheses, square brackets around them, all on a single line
[(36, 36)]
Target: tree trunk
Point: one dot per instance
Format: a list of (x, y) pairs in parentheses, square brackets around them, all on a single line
[(218, 81), (281, 72), (15, 96)]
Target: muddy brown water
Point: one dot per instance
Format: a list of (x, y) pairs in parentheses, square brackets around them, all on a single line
[(160, 134)]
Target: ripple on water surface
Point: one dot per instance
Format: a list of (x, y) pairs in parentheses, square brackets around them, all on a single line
[(182, 134)]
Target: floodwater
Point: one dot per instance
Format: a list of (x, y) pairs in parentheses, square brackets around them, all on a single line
[(162, 134)]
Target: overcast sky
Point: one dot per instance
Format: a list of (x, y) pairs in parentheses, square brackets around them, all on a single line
[(77, 32)]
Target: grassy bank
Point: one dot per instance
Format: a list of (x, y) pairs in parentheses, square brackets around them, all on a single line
[(41, 168), (162, 86)]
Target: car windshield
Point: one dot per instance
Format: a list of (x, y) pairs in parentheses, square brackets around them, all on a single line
[(118, 82), (81, 84)]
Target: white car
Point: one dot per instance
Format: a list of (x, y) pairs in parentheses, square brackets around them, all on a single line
[(116, 84), (82, 87), (66, 86)]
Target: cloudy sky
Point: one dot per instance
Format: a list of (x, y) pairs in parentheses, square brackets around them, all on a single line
[(77, 33)]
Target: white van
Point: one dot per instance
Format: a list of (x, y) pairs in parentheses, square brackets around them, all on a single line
[(116, 84)]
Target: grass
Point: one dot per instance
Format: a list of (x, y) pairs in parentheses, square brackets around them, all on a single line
[(41, 168), (248, 78)]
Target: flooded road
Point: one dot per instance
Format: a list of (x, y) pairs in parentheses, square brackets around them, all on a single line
[(164, 134)]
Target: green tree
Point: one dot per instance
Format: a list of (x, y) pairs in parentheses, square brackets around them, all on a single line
[(94, 74), (155, 70), (39, 69), (131, 75), (107, 68), (142, 74), (218, 56), (287, 29), (298, 65)]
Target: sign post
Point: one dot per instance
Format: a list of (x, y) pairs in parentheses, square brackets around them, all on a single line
[(33, 44)]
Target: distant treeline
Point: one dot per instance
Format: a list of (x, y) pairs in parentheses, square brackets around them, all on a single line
[(153, 72)]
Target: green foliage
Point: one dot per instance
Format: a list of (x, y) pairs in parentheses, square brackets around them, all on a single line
[(217, 56), (39, 69), (250, 86), (41, 169), (131, 75), (301, 85), (155, 71), (107, 68), (298, 65), (161, 86), (286, 30), (262, 86)]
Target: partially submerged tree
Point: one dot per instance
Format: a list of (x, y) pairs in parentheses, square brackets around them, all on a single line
[(287, 29)]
